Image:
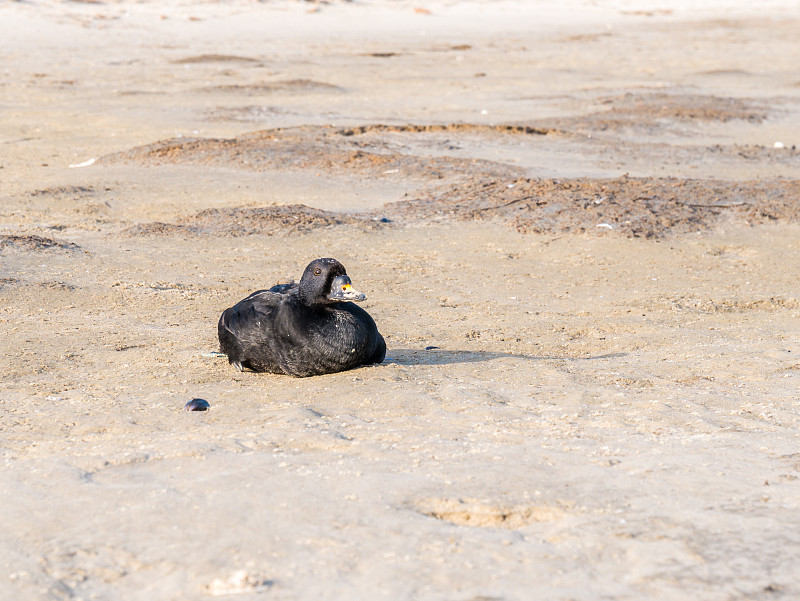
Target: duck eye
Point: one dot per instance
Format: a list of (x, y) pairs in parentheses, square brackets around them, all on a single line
[(317, 271)]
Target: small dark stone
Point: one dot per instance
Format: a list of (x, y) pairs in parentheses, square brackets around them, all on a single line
[(197, 405), (430, 348), (384, 220)]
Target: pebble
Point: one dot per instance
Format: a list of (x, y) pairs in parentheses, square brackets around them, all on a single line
[(197, 405)]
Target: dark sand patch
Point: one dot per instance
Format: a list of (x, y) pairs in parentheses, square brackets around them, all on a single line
[(662, 111), (635, 207), (632, 207), (683, 303), (35, 243), (454, 128), (47, 284), (215, 58), (62, 192), (240, 221), (686, 108), (326, 148), (754, 152), (293, 86), (245, 113), (478, 189)]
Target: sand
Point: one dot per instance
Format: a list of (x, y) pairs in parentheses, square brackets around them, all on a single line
[(578, 228)]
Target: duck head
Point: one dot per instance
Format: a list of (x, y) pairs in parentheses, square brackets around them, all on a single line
[(325, 282)]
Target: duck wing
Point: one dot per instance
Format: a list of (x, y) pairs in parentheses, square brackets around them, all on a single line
[(245, 329)]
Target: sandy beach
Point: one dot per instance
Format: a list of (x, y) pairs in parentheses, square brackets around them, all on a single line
[(577, 225)]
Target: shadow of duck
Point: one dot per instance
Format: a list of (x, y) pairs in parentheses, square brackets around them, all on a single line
[(437, 356)]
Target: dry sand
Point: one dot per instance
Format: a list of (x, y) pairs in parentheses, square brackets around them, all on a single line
[(580, 205)]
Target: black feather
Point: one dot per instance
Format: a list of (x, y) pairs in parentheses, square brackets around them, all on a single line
[(298, 330)]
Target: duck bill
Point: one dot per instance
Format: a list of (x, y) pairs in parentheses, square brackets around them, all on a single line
[(342, 290)]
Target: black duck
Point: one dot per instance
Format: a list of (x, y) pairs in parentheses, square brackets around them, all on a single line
[(303, 329)]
